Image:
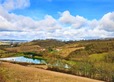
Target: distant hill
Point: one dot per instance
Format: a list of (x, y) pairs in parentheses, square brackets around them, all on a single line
[(48, 43), (36, 46), (12, 40)]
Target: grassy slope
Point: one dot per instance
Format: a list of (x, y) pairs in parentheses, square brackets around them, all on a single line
[(68, 48), (96, 47), (25, 48), (18, 73)]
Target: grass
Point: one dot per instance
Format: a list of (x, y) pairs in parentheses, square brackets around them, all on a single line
[(35, 57), (2, 51), (70, 62), (2, 74), (18, 73), (25, 48), (97, 57), (67, 49), (3, 55)]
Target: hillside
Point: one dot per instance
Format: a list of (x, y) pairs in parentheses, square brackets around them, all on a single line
[(35, 46), (65, 50), (48, 43), (18, 73), (92, 47), (92, 58), (89, 58), (25, 48)]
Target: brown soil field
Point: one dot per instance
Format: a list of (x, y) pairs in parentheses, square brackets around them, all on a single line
[(19, 73)]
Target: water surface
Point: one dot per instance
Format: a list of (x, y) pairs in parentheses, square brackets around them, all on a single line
[(23, 59)]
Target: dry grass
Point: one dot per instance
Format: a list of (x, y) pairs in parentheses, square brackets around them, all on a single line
[(18, 73), (1, 78), (67, 49), (25, 48)]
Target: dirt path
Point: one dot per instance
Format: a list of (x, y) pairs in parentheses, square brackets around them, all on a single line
[(18, 73)]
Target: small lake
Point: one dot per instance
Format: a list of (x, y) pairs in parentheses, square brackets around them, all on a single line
[(24, 59)]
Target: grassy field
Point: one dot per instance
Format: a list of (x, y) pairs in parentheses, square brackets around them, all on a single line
[(18, 73), (92, 59), (97, 57), (65, 50)]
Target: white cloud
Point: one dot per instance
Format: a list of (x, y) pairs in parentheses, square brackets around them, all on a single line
[(66, 27), (67, 18), (6, 25), (107, 22), (15, 4), (74, 21)]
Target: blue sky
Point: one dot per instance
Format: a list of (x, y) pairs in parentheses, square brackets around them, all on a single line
[(56, 19), (87, 8)]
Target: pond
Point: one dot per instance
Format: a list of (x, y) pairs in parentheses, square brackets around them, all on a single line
[(24, 60)]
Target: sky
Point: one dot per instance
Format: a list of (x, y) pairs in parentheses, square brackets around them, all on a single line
[(56, 19)]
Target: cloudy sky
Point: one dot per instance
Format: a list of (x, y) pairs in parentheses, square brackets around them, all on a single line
[(56, 19)]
